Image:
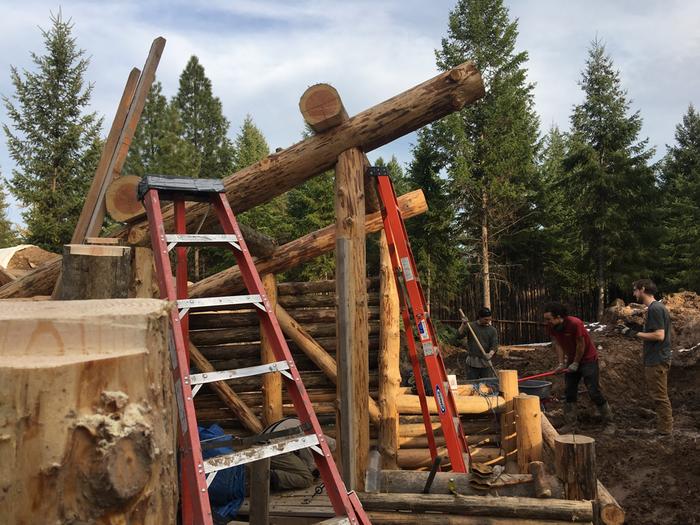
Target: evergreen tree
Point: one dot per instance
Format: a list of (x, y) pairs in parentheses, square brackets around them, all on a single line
[(432, 234), (681, 209), (8, 236), (203, 122), (157, 147), (54, 143), (490, 146), (609, 180)]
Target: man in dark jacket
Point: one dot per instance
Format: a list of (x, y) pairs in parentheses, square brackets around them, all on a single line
[(477, 365)]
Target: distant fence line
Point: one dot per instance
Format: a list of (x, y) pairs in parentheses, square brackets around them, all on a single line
[(517, 308)]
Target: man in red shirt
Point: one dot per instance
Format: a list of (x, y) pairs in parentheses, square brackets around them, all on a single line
[(578, 356)]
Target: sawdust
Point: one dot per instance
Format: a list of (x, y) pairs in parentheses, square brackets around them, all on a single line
[(30, 258)]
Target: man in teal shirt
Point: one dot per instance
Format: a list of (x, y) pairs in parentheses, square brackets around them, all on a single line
[(477, 365)]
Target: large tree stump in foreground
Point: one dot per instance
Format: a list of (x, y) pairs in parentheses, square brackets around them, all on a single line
[(574, 458), (86, 413)]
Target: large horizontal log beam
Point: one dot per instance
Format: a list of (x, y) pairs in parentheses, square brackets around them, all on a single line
[(511, 507), (410, 404), (280, 172), (300, 250)]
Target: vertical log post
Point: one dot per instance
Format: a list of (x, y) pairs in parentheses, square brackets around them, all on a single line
[(260, 492), (271, 383), (528, 429), (389, 348), (574, 459), (351, 288), (508, 385)]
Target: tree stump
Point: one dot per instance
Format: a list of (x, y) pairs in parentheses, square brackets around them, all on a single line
[(574, 458), (86, 413), (95, 272)]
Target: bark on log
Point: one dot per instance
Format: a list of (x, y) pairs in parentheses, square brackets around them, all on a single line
[(271, 383), (95, 272), (389, 350), (374, 127), (300, 250), (539, 478), (469, 426), (351, 294), (410, 404), (574, 458), (324, 286), (417, 518), (86, 413), (611, 513), (509, 507), (413, 482), (414, 458), (528, 427), (321, 107), (226, 393), (40, 281), (508, 386), (319, 300)]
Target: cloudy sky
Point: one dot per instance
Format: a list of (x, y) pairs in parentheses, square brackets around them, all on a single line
[(261, 55)]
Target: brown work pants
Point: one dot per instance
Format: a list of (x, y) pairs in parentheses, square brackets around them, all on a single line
[(656, 377)]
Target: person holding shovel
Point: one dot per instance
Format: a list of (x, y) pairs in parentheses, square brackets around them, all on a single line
[(578, 358), (482, 344)]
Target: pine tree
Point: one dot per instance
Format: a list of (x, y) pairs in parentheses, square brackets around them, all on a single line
[(8, 236), (157, 147), (54, 143), (203, 123), (609, 179), (489, 147), (681, 205)]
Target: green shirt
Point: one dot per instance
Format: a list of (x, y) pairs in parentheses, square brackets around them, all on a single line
[(657, 352), (488, 337)]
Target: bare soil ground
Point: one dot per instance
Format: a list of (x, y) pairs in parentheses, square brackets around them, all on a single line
[(656, 481)]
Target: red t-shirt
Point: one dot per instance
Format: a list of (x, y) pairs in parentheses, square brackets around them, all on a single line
[(573, 329)]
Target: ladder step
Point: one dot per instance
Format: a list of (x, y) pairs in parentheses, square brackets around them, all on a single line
[(200, 239), (208, 302), (223, 375), (268, 450)]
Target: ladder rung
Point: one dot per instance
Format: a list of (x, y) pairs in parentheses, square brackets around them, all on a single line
[(268, 450), (228, 300), (200, 239), (223, 375)]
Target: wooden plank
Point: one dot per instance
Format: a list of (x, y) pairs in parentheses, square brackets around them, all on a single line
[(97, 250), (97, 214), (102, 240), (108, 151)]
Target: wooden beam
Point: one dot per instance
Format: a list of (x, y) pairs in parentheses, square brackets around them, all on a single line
[(300, 250), (260, 492), (322, 108), (374, 127), (508, 386), (418, 518), (271, 383), (508, 507), (528, 429), (351, 294), (40, 281), (389, 355), (410, 404)]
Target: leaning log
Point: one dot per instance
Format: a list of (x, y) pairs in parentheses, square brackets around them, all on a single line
[(300, 250), (261, 182), (86, 413), (508, 507), (37, 282)]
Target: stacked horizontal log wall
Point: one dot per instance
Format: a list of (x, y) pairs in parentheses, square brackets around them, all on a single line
[(231, 339)]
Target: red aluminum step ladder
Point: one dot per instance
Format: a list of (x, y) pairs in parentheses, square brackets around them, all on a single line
[(197, 473), (413, 305)]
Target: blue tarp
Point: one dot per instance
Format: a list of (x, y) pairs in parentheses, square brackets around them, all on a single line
[(227, 491)]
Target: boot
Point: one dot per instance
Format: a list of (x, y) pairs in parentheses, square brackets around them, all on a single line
[(607, 418), (570, 419)]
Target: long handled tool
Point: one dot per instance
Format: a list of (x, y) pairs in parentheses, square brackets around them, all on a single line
[(543, 374), (478, 343)]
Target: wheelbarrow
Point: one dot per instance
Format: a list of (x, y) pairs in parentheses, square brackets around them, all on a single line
[(536, 387)]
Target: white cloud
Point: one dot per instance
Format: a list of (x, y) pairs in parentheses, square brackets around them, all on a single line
[(261, 55)]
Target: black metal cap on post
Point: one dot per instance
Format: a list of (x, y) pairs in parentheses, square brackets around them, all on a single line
[(180, 187)]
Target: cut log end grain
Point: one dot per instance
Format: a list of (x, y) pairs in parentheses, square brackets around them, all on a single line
[(121, 199)]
